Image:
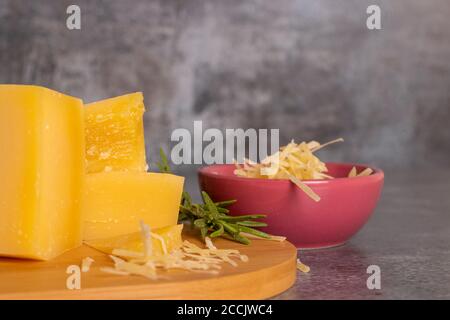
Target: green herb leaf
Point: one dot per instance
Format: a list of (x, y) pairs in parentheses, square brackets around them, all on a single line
[(229, 227), (241, 239), (210, 205), (212, 218), (218, 232), (242, 218), (225, 203), (204, 232), (252, 223), (163, 165), (223, 210), (200, 223), (254, 232)]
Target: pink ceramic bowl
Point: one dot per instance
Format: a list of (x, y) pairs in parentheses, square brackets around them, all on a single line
[(345, 206)]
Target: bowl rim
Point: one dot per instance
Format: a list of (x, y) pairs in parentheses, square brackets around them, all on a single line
[(376, 175)]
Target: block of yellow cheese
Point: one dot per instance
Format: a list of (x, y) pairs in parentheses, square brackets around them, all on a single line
[(115, 134), (41, 169), (115, 202)]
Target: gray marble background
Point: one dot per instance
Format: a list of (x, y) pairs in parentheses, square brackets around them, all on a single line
[(310, 68)]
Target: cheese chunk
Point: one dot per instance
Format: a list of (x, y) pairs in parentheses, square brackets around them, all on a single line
[(115, 202), (133, 242), (41, 170), (115, 134)]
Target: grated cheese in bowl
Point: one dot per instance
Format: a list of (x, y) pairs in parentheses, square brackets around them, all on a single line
[(295, 162)]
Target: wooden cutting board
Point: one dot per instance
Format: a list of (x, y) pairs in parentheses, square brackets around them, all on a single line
[(271, 269)]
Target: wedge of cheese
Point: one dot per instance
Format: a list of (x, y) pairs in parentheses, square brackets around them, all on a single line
[(169, 237), (42, 171), (115, 134), (116, 202)]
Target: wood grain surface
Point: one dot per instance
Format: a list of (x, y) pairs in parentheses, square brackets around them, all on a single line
[(271, 269)]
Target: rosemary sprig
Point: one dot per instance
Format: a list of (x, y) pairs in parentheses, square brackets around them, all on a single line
[(212, 218)]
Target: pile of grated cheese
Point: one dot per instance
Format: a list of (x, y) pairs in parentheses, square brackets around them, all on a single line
[(295, 162), (188, 257)]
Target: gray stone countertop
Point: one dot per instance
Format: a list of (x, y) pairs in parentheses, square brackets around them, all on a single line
[(408, 237)]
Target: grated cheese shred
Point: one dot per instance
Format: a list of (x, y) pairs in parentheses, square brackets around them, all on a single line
[(365, 172), (272, 237), (302, 267), (161, 240), (86, 264), (354, 173), (146, 238), (114, 271)]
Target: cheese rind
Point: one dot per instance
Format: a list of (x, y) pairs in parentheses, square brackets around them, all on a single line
[(115, 134), (42, 171), (115, 202)]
